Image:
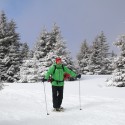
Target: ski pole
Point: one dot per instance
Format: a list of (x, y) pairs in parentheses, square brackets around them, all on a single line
[(79, 95), (45, 99)]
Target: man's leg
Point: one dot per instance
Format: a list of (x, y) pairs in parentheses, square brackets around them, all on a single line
[(60, 95), (55, 96)]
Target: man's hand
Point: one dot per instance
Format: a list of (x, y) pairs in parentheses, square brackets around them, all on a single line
[(43, 80), (79, 76)]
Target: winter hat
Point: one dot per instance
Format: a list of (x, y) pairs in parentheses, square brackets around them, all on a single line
[(58, 59)]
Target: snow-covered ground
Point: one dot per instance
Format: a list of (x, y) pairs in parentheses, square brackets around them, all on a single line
[(24, 104)]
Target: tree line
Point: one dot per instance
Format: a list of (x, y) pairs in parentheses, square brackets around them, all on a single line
[(20, 64)]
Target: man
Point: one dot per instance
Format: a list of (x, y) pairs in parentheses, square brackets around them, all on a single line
[(57, 71)]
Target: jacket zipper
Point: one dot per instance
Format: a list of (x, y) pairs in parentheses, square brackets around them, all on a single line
[(59, 74)]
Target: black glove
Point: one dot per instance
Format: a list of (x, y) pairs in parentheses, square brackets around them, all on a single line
[(79, 76), (43, 80)]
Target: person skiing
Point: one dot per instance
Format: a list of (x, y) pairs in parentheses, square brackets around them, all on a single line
[(57, 72)]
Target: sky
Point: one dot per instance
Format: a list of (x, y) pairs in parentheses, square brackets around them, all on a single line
[(78, 19)]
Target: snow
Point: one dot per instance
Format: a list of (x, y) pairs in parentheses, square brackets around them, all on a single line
[(24, 103)]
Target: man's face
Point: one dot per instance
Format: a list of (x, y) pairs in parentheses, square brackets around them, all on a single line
[(59, 62)]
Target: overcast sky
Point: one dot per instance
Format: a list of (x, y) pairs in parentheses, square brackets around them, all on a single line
[(78, 19)]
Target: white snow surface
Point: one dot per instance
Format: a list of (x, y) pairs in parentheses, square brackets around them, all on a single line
[(24, 103)]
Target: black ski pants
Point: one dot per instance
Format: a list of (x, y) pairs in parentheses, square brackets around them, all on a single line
[(57, 95)]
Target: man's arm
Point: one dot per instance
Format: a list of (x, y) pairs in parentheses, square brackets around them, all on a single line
[(72, 73), (49, 72)]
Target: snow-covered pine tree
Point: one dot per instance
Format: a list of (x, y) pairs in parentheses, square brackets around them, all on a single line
[(9, 50), (104, 47), (118, 78), (25, 53), (83, 57), (3, 45), (13, 64), (99, 61), (60, 48), (112, 59), (47, 48), (43, 45), (94, 63), (35, 65)]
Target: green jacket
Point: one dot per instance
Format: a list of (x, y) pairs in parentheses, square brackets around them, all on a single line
[(59, 74)]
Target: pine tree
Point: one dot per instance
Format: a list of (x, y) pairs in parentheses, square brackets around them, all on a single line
[(49, 46), (35, 65), (24, 51), (42, 46), (112, 59), (95, 58), (106, 69), (3, 25), (3, 44), (60, 48), (99, 61), (9, 50), (83, 57), (118, 78), (104, 47)]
